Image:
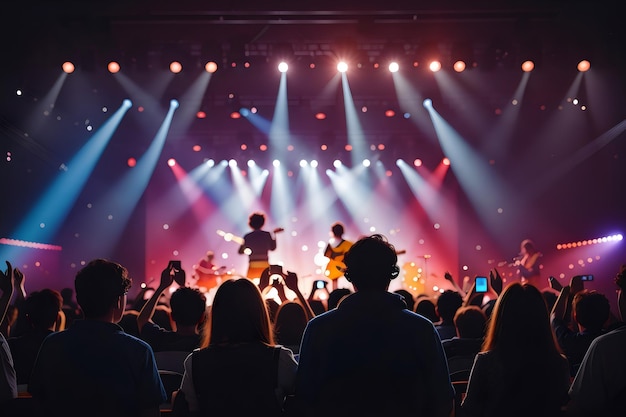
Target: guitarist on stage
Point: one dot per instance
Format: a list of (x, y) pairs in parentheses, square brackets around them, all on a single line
[(206, 273), (335, 254), (257, 244)]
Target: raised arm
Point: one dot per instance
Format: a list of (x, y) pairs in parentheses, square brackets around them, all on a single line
[(291, 281), (146, 313), (6, 286), (560, 306), (456, 286)]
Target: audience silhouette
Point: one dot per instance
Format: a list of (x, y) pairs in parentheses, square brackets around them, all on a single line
[(94, 368), (44, 313), (520, 371), (8, 380), (188, 306), (239, 370), (522, 352), (371, 356)]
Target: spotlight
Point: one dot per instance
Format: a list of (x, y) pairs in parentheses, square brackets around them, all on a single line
[(390, 113), (283, 67), (417, 162), (113, 67), (176, 67), (68, 67), (434, 66), (276, 163), (171, 162), (232, 163), (127, 103), (210, 67), (428, 103), (337, 163), (303, 163), (251, 163), (528, 66), (320, 116), (244, 112), (394, 67), (314, 163), (459, 66), (366, 163), (445, 161), (584, 65), (342, 66), (174, 103), (235, 115), (131, 162)]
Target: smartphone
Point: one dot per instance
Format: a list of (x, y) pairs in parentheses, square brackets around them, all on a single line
[(276, 270), (481, 284), (320, 284), (586, 277), (178, 278)]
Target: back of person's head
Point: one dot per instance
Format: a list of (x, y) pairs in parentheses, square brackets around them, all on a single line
[(42, 308), (371, 263), (470, 322), (408, 298), (68, 295), (337, 229), (426, 307), (188, 306), (272, 308), (257, 220), (520, 323), (99, 285), (550, 296), (129, 322), (238, 315), (290, 323), (335, 297), (591, 309), (448, 303)]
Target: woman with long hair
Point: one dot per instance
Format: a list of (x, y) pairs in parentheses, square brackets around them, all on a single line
[(238, 370), (520, 371)]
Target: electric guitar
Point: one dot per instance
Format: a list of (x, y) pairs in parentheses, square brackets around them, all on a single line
[(229, 237), (209, 277)]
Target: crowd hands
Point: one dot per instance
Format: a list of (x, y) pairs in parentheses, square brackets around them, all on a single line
[(268, 349)]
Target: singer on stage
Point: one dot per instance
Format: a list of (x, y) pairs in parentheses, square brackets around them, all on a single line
[(528, 264)]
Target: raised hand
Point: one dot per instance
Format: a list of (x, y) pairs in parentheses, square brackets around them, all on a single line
[(495, 280), (6, 280), (291, 281), (167, 276), (576, 285), (555, 284)]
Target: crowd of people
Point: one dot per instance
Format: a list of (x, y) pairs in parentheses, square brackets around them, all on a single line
[(362, 351)]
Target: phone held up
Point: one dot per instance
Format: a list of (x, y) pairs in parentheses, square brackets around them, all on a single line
[(320, 284), (586, 277), (178, 278), (481, 284), (276, 274)]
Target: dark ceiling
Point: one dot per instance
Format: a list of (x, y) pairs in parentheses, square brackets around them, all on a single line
[(135, 29)]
